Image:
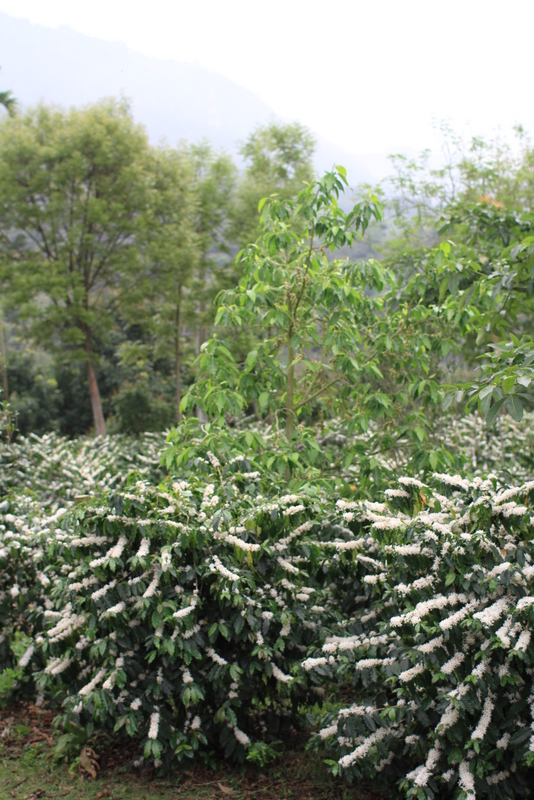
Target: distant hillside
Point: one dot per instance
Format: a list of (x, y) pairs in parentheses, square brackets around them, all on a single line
[(174, 100)]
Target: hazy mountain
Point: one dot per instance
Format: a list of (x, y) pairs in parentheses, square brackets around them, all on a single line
[(174, 100)]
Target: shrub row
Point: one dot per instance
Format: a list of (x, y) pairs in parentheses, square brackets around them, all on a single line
[(201, 616)]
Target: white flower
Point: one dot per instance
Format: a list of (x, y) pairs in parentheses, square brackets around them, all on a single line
[(144, 548), (525, 602), (25, 659), (479, 671), (523, 641), (374, 579), (114, 609), (498, 777), (241, 737), (215, 657), (429, 647), (217, 566), (151, 589), (135, 705), (280, 676), (410, 674), (492, 613), (502, 744), (452, 663), (116, 551), (485, 719), (458, 616), (407, 481), (466, 781), (419, 776), (287, 566), (362, 750), (109, 683), (499, 569), (324, 733), (310, 663), (449, 718), (91, 685), (453, 480), (103, 591), (154, 726)]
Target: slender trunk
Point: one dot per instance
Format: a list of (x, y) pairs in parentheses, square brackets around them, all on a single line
[(200, 341), (290, 388), (4, 365), (94, 393), (290, 410), (177, 355)]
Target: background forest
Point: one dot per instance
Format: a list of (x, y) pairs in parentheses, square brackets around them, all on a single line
[(104, 315)]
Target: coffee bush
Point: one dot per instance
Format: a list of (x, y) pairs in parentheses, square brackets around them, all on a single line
[(179, 614), (440, 651)]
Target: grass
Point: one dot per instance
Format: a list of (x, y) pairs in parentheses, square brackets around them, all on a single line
[(28, 772)]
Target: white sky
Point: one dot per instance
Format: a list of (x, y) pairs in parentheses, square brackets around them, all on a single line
[(370, 75)]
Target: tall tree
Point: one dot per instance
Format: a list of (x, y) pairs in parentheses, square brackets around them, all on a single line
[(215, 176), (173, 252), (279, 160), (74, 187)]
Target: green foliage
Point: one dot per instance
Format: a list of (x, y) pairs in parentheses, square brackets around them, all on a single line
[(186, 631), (488, 282), (73, 189), (279, 161), (438, 646), (330, 338)]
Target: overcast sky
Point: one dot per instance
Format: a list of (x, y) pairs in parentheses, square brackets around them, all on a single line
[(370, 76)]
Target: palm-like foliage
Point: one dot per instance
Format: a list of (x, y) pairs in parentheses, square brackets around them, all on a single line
[(9, 102)]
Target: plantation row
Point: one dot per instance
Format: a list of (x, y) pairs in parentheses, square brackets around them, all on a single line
[(56, 469), (203, 614)]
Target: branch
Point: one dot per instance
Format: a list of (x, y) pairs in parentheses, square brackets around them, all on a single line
[(317, 393)]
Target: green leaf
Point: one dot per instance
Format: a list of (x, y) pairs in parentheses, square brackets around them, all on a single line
[(508, 384), (485, 403), (494, 410), (447, 400), (420, 433), (487, 390), (514, 406), (263, 399), (454, 283)]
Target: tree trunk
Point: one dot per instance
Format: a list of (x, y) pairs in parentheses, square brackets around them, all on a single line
[(94, 394), (200, 341), (290, 410), (290, 388), (4, 365), (177, 356)]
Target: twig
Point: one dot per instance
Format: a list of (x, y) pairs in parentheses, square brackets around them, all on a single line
[(19, 783)]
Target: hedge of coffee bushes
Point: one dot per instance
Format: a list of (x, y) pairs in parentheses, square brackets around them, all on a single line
[(440, 652), (202, 616)]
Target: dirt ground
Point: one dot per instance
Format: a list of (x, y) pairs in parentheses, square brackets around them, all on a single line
[(28, 771)]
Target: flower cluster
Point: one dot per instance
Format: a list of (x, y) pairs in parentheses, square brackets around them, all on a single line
[(165, 611), (442, 644)]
